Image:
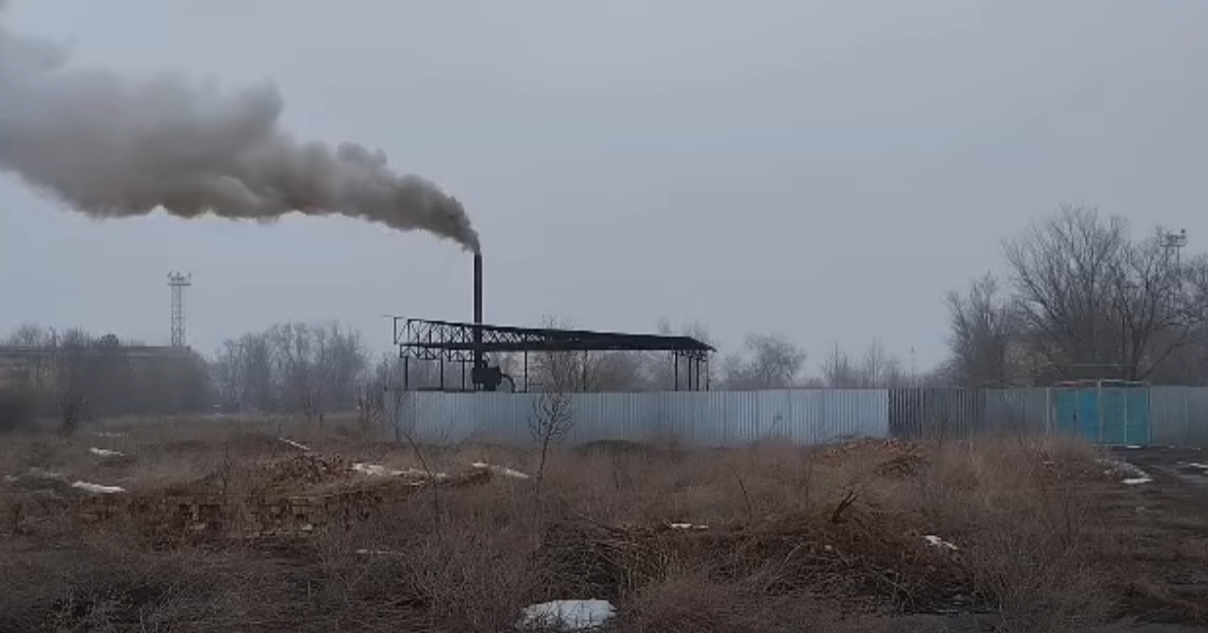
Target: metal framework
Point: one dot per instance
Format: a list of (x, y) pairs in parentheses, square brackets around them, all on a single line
[(178, 282), (463, 343)]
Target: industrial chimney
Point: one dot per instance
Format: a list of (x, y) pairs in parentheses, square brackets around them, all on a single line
[(477, 295), (479, 360), (484, 378)]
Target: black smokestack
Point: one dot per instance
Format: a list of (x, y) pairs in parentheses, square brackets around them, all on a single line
[(478, 288), (112, 145), (479, 361)]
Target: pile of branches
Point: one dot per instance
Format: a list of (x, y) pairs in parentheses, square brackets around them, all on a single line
[(848, 554)]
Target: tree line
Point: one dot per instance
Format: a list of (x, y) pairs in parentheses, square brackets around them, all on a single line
[(1079, 297), (312, 369)]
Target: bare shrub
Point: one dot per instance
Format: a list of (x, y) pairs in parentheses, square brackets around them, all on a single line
[(768, 537), (551, 421), (1026, 534)]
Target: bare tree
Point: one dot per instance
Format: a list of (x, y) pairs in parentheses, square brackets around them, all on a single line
[(551, 421), (881, 369), (393, 391), (229, 376), (338, 363), (292, 353), (659, 368), (1096, 304), (984, 335), (583, 370), (293, 367), (878, 369), (838, 370), (1188, 364), (73, 378), (769, 361), (34, 371)]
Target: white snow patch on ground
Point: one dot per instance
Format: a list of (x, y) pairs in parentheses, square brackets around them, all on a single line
[(1133, 476), (1132, 447), (375, 552), (936, 541), (1198, 465), (97, 488), (42, 473), (301, 447), (378, 470), (104, 452), (568, 615), (415, 472), (687, 526), (501, 470)]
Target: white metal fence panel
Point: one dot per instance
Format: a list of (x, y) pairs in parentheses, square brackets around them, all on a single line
[(1177, 415), (712, 418)]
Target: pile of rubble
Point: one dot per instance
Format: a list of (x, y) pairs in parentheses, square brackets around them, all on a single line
[(299, 472), (297, 495), (894, 458)]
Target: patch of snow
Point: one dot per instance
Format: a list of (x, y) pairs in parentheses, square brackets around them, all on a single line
[(568, 615), (415, 472), (42, 473), (1132, 447), (686, 526), (301, 447), (501, 470), (97, 488), (376, 470), (936, 541), (382, 471), (1133, 476), (104, 452), (1197, 465), (375, 552)]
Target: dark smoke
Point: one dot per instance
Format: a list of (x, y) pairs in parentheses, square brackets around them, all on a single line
[(113, 146)]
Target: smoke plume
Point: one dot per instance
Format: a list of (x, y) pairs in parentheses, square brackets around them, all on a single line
[(113, 146)]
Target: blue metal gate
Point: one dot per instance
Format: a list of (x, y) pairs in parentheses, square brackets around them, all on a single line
[(1104, 412)]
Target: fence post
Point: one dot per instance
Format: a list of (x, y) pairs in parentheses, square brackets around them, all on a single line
[(1186, 425), (1099, 407), (1126, 418), (1048, 411)]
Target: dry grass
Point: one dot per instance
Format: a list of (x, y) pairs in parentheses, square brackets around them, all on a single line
[(826, 539)]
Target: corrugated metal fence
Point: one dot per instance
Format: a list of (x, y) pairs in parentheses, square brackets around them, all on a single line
[(1138, 415)]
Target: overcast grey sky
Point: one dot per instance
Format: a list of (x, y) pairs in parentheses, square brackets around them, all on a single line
[(822, 169)]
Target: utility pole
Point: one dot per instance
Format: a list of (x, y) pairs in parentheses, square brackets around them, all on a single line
[(178, 282)]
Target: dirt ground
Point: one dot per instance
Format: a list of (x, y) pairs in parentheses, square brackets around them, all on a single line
[(258, 526), (1167, 534)]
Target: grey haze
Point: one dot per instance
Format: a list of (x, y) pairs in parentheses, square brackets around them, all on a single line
[(826, 170)]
